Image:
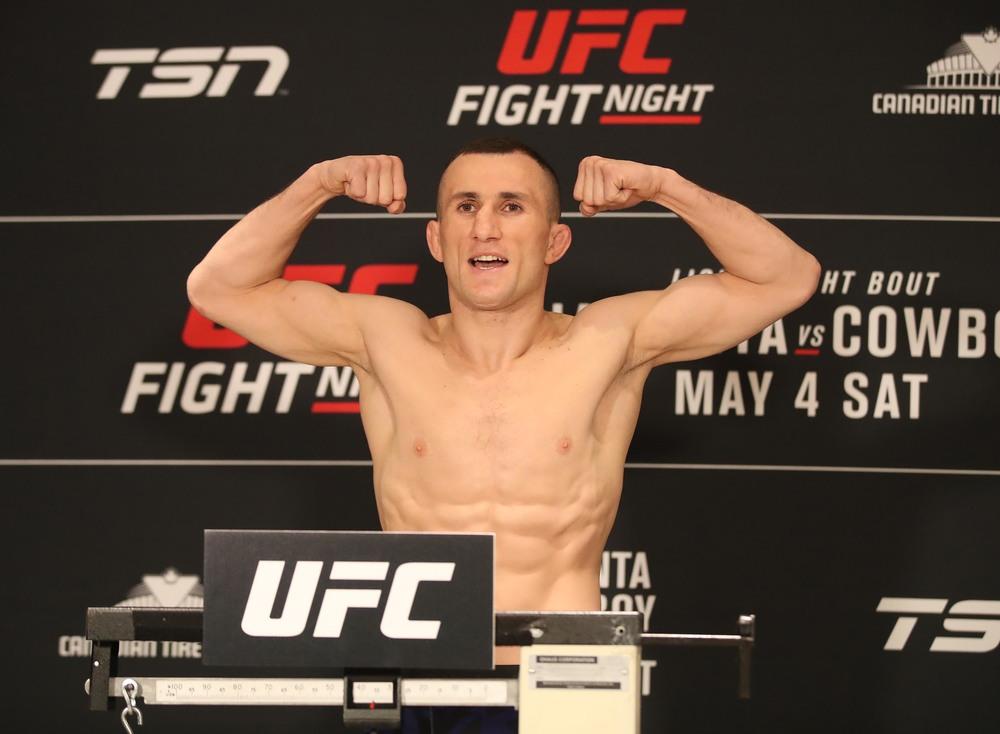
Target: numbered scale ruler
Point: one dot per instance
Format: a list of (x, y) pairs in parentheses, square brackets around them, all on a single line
[(320, 691)]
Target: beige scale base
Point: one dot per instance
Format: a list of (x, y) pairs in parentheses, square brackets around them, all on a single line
[(583, 689)]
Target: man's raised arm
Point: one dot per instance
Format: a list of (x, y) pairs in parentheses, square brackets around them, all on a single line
[(766, 275), (239, 283)]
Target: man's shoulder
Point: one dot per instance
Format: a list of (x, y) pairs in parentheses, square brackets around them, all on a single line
[(614, 313), (384, 309), (390, 320)]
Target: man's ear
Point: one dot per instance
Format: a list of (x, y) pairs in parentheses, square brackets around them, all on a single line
[(560, 239), (434, 240)]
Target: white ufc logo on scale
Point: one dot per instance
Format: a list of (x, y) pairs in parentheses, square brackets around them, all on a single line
[(396, 622), (190, 70)]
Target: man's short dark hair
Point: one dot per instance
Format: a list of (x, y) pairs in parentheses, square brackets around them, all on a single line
[(500, 146)]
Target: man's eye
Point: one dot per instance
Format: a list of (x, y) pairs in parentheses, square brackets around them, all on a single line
[(466, 206), (512, 206)]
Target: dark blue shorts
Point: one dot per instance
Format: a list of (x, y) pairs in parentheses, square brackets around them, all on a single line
[(461, 719), (458, 720)]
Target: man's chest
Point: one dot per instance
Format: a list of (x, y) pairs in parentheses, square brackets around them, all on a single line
[(544, 403)]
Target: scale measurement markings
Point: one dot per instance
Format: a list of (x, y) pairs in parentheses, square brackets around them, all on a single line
[(456, 692), (320, 691), (250, 691)]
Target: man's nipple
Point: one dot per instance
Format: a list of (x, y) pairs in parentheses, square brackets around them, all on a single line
[(420, 447), (564, 444)]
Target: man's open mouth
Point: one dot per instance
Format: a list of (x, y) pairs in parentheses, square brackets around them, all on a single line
[(487, 262)]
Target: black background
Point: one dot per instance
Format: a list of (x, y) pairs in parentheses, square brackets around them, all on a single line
[(850, 511)]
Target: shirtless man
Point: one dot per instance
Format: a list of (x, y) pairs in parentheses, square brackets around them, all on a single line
[(500, 416)]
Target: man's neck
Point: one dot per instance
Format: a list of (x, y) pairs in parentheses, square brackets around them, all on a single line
[(490, 340)]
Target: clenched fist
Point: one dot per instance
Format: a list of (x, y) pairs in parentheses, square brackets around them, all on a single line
[(373, 179), (604, 184)]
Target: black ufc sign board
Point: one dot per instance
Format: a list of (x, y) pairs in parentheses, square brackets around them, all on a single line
[(348, 599)]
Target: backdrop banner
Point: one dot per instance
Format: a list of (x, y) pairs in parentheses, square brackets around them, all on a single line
[(837, 474)]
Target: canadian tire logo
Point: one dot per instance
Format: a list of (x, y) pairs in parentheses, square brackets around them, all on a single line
[(963, 81)]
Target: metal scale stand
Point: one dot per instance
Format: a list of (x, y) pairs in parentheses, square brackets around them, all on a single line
[(579, 672)]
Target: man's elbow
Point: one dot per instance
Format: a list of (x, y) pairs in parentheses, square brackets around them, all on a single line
[(799, 282), (199, 290), (807, 278)]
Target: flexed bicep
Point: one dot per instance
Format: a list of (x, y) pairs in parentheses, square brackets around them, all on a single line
[(239, 285), (706, 314), (299, 320)]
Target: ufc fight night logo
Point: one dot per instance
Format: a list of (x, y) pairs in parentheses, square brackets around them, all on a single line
[(396, 623), (981, 616), (189, 71), (567, 44), (632, 58)]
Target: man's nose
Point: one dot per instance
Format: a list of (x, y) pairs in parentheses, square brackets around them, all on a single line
[(485, 227)]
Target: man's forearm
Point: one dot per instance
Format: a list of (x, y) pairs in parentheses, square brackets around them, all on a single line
[(255, 250), (746, 245)]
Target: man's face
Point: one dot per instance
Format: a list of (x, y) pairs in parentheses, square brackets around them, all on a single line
[(497, 232)]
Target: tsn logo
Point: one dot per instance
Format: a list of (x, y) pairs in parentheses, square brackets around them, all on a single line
[(395, 624), (191, 70), (632, 60), (200, 333), (988, 629)]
